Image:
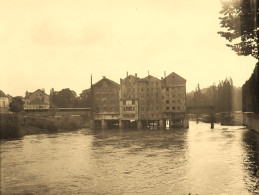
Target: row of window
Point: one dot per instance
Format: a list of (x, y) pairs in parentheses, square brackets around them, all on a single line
[(179, 95), (128, 108), (174, 101), (128, 102), (173, 88), (175, 108)]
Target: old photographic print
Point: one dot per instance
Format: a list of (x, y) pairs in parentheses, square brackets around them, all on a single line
[(129, 97)]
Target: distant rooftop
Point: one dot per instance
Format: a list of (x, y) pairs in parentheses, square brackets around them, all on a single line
[(2, 94)]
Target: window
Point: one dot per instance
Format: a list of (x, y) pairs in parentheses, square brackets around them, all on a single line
[(173, 101), (178, 108), (133, 102), (167, 89), (124, 102), (142, 108), (167, 108), (173, 108), (133, 109), (162, 97), (128, 108), (167, 101), (173, 95), (179, 101)]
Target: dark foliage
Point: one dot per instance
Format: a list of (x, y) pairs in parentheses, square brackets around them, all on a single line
[(67, 98), (17, 104), (224, 97), (250, 92), (240, 23)]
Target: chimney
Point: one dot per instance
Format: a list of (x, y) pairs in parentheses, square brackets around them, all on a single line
[(164, 73), (136, 74), (104, 77), (127, 73), (161, 78), (148, 73), (91, 80)]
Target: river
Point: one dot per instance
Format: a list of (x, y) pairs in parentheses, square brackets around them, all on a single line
[(197, 160)]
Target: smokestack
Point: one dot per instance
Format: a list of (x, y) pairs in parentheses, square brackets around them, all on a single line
[(91, 81)]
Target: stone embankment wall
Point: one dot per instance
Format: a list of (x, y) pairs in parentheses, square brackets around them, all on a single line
[(251, 120)]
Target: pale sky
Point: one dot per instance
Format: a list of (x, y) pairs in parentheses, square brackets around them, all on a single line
[(59, 43)]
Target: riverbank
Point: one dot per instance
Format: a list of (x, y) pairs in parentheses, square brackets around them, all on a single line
[(251, 120), (40, 125)]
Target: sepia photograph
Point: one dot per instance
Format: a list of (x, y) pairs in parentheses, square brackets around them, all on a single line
[(129, 97)]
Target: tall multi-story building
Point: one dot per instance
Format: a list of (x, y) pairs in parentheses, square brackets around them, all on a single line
[(105, 101), (153, 101), (129, 98), (149, 95), (173, 98)]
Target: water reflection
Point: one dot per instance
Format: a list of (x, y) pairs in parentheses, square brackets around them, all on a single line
[(197, 161)]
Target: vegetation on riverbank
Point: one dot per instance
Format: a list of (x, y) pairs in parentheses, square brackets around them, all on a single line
[(42, 125)]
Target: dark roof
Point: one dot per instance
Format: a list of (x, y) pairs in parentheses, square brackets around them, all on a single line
[(30, 93), (2, 94), (147, 78), (174, 74), (37, 101), (104, 78)]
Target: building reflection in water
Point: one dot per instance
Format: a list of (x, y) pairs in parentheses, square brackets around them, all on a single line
[(251, 160)]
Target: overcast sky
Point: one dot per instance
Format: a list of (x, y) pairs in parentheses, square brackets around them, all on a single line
[(59, 43)]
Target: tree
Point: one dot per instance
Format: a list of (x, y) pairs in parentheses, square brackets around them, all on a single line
[(65, 98), (17, 104), (240, 23), (85, 98)]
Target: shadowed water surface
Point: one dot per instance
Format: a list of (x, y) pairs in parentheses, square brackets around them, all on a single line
[(197, 161)]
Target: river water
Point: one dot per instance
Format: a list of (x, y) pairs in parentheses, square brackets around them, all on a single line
[(197, 160)]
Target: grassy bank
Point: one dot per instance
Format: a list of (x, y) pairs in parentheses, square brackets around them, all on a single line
[(37, 125)]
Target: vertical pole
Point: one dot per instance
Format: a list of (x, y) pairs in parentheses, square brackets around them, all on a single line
[(91, 100), (212, 120)]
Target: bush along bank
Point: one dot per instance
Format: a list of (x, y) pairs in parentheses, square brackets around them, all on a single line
[(9, 126), (53, 125), (37, 125)]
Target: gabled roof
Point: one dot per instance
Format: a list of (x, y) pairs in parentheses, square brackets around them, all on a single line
[(105, 79), (147, 78), (37, 101), (129, 77), (2, 94), (173, 74), (30, 93)]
